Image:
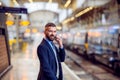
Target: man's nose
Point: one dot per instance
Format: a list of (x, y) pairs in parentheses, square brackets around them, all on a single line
[(53, 33)]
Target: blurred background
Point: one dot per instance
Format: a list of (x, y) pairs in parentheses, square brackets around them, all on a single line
[(89, 28)]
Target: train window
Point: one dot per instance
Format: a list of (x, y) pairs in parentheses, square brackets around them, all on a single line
[(114, 42)]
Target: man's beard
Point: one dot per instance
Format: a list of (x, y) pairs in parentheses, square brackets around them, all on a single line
[(48, 37)]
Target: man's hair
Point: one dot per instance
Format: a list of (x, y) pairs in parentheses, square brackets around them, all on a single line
[(50, 25)]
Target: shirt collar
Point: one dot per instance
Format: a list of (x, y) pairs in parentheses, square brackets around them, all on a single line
[(50, 42)]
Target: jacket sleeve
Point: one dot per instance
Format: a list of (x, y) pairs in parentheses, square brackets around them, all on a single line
[(43, 57), (61, 54)]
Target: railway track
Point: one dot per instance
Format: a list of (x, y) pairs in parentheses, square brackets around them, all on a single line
[(87, 70)]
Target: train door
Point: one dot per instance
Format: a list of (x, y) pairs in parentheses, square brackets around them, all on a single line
[(86, 44), (116, 65), (86, 40)]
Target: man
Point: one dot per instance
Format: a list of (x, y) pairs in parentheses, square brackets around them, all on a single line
[(49, 56)]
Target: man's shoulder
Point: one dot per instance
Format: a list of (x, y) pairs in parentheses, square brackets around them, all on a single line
[(42, 43), (41, 46)]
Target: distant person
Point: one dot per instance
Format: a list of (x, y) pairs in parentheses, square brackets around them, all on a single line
[(50, 57)]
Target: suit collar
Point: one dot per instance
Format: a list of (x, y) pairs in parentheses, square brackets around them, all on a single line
[(46, 43)]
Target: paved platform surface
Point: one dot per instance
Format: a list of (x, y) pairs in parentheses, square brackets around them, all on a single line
[(26, 66)]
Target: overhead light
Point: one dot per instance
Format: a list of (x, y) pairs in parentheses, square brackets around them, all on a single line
[(9, 22), (84, 11), (77, 34), (8, 14), (15, 2), (68, 20), (31, 1), (0, 3), (34, 30), (72, 18), (59, 27), (50, 1), (24, 23), (27, 30), (67, 3)]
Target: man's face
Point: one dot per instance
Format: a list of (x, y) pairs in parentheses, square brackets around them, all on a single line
[(50, 32)]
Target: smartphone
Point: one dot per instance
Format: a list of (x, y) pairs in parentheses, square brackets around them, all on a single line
[(56, 37)]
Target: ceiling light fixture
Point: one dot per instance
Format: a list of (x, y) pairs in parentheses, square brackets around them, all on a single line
[(31, 1), (84, 11), (77, 15), (9, 14), (50, 1), (67, 3), (0, 3), (15, 2), (72, 18), (68, 20)]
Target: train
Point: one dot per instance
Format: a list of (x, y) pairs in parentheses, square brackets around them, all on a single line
[(101, 44)]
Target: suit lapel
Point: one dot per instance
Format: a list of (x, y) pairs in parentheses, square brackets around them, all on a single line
[(49, 47), (47, 44)]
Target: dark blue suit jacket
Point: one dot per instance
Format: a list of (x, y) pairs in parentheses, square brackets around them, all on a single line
[(48, 65)]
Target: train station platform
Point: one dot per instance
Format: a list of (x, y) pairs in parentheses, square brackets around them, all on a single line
[(26, 66)]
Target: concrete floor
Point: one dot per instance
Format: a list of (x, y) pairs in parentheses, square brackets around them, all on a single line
[(26, 66)]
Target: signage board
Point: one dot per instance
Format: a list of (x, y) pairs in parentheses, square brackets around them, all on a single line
[(12, 10)]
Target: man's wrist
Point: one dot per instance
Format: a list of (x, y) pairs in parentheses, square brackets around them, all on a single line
[(61, 45)]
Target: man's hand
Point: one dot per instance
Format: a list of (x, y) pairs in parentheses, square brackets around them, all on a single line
[(58, 39)]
